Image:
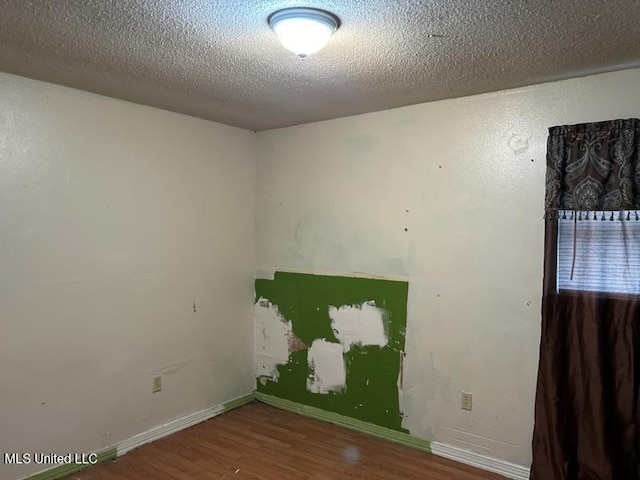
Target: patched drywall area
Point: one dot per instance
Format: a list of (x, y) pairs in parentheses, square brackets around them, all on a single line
[(272, 338), (326, 367), (332, 342), (448, 196), (127, 250), (363, 324)]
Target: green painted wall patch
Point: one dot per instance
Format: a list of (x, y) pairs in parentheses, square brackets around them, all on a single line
[(365, 316)]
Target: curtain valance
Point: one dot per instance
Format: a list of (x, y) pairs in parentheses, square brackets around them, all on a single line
[(593, 167)]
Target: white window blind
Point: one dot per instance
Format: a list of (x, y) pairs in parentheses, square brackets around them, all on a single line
[(607, 253)]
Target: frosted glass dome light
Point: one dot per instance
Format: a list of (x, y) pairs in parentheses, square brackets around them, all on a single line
[(303, 31)]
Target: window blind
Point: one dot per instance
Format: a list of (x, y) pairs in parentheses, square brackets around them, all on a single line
[(607, 252)]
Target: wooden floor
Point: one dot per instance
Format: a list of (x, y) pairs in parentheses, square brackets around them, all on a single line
[(259, 442)]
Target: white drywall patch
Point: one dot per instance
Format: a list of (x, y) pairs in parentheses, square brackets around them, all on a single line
[(327, 372), (359, 324), (271, 339)]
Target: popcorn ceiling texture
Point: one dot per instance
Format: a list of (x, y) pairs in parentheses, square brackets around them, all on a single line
[(219, 60)]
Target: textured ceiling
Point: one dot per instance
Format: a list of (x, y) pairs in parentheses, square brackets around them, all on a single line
[(220, 61)]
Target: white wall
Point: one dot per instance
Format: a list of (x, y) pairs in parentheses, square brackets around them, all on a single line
[(114, 219), (465, 177)]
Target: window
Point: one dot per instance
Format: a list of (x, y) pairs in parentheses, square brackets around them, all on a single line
[(599, 255)]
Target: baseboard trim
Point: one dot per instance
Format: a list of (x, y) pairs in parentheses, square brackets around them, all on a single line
[(352, 423), (143, 438), (146, 437), (509, 470), (181, 423), (71, 468), (502, 467)]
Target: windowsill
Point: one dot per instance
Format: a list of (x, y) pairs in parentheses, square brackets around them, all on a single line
[(596, 295)]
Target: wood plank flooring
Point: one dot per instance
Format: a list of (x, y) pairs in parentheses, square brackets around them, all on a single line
[(258, 442)]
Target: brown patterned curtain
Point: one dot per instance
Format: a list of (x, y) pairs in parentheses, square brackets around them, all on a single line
[(593, 166), (587, 411)]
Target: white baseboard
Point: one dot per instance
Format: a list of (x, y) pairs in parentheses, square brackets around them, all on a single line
[(180, 424), (501, 467)]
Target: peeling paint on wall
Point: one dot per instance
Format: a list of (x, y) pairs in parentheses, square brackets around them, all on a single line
[(343, 338)]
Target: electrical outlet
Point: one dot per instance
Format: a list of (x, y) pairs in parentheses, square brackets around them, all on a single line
[(467, 401), (157, 384)]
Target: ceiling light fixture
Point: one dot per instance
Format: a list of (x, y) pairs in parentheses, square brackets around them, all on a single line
[(303, 31)]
